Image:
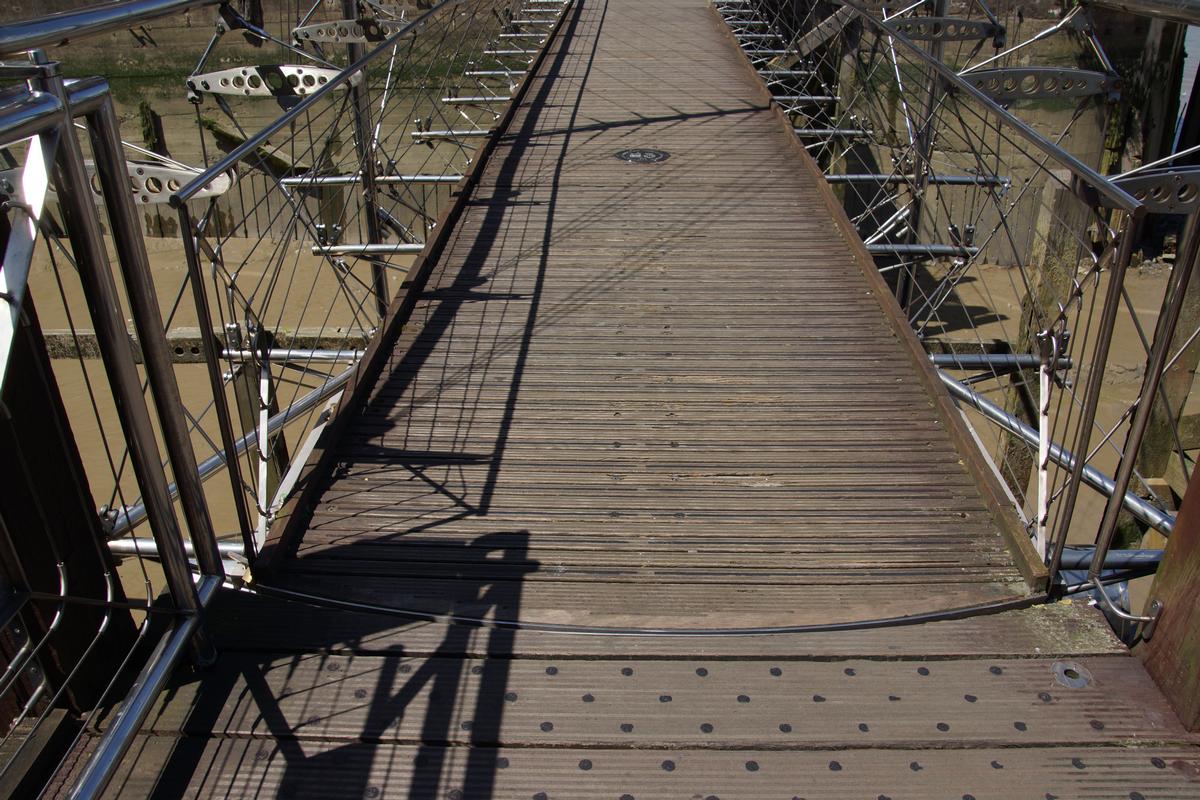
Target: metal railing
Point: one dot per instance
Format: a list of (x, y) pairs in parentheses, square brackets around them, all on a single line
[(1001, 242)]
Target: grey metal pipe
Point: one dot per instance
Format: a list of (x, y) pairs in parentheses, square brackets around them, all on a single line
[(1081, 557), (145, 690), (1140, 508), (1178, 10), (52, 29), (136, 514), (1091, 395), (991, 360), (105, 134), (292, 355), (148, 547), (1154, 370), (935, 180), (304, 181), (367, 249), (95, 275)]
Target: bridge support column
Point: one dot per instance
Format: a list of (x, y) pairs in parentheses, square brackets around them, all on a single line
[(1172, 656)]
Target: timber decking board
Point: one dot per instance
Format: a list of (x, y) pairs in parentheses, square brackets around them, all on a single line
[(685, 703), (258, 768), (647, 359), (664, 396)]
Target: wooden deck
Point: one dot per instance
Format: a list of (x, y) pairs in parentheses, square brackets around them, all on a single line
[(655, 396)]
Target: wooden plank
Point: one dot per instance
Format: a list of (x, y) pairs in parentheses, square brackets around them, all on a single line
[(354, 770), (685, 703)]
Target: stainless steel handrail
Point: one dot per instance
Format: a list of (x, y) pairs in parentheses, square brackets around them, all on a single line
[(28, 34)]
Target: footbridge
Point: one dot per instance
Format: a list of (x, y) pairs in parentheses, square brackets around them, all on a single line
[(651, 451)]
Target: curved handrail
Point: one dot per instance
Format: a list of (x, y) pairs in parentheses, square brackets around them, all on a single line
[(250, 145)]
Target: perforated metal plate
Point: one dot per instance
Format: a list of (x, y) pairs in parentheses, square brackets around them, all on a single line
[(1041, 83), (945, 29), (266, 80), (1165, 191), (643, 155), (150, 183), (349, 30)]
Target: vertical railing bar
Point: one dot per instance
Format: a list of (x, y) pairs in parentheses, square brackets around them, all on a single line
[(1154, 369), (1087, 419), (134, 262), (212, 355)]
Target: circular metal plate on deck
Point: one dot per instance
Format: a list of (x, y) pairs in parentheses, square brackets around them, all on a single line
[(643, 155), (1071, 675)]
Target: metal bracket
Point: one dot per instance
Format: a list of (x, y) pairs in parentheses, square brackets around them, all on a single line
[(1041, 83), (346, 31), (267, 80), (948, 29), (1165, 191), (150, 183)]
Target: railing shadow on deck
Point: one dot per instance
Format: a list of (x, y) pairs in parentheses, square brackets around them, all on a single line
[(240, 689)]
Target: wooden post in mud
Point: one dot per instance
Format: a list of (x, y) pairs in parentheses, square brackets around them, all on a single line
[(1053, 260), (1172, 656)]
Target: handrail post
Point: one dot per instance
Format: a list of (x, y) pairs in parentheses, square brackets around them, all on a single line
[(1091, 398), (95, 275), (105, 135), (1161, 351), (212, 363)]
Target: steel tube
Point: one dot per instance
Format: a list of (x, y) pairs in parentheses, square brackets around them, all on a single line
[(95, 275), (988, 361), (1081, 557), (367, 249), (136, 514), (936, 180), (1141, 416), (24, 114), (215, 383), (141, 546), (1143, 510), (1091, 397), (291, 355), (17, 37), (380, 180), (113, 745), (105, 134)]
